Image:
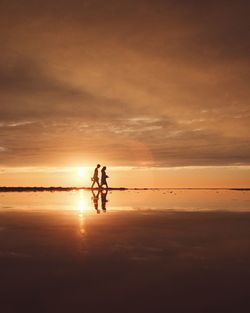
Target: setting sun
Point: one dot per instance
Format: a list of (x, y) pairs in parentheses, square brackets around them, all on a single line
[(81, 171)]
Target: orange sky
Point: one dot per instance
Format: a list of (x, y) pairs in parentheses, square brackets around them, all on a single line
[(200, 177), (145, 84)]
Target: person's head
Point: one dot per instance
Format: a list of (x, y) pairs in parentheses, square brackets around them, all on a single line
[(104, 168), (98, 165)]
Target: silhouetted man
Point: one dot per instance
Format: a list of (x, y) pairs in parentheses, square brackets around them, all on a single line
[(104, 178), (95, 177)]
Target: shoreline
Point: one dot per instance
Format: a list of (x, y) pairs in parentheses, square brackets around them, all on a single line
[(52, 189)]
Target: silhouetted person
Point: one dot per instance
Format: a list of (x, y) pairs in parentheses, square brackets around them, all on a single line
[(95, 177), (104, 199), (104, 177), (95, 200)]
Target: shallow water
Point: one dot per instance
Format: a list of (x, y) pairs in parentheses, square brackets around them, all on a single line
[(139, 251), (158, 200)]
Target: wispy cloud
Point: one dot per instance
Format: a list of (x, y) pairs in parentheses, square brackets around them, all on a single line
[(158, 83)]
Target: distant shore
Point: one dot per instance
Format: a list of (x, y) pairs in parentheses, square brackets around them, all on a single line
[(52, 189)]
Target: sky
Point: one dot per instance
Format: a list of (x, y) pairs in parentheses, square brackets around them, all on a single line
[(156, 90)]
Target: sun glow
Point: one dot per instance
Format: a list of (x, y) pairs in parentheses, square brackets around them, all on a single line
[(83, 202), (82, 205), (81, 171)]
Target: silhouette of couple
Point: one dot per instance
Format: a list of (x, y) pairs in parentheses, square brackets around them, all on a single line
[(95, 178), (104, 200)]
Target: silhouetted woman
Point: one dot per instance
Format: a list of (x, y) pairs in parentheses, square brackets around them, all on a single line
[(104, 177), (104, 199)]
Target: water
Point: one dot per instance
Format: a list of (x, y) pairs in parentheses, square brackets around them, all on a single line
[(131, 200), (139, 251)]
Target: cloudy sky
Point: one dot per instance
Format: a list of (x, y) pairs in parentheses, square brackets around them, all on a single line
[(159, 84)]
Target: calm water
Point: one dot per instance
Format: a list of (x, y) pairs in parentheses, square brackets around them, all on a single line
[(156, 200), (138, 251)]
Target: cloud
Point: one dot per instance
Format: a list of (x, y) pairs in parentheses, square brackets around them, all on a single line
[(159, 83)]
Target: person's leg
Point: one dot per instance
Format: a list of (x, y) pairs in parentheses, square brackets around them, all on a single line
[(95, 181), (106, 185), (98, 184)]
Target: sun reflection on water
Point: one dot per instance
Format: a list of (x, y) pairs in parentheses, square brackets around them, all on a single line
[(82, 208), (88, 205)]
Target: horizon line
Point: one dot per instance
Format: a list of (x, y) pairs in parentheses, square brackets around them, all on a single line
[(72, 188)]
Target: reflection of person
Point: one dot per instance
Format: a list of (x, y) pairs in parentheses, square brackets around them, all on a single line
[(104, 200), (95, 177), (104, 177), (95, 200)]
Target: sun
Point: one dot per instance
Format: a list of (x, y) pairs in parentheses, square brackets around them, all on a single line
[(81, 171)]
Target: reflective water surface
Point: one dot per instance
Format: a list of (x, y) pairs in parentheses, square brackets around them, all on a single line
[(121, 251)]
